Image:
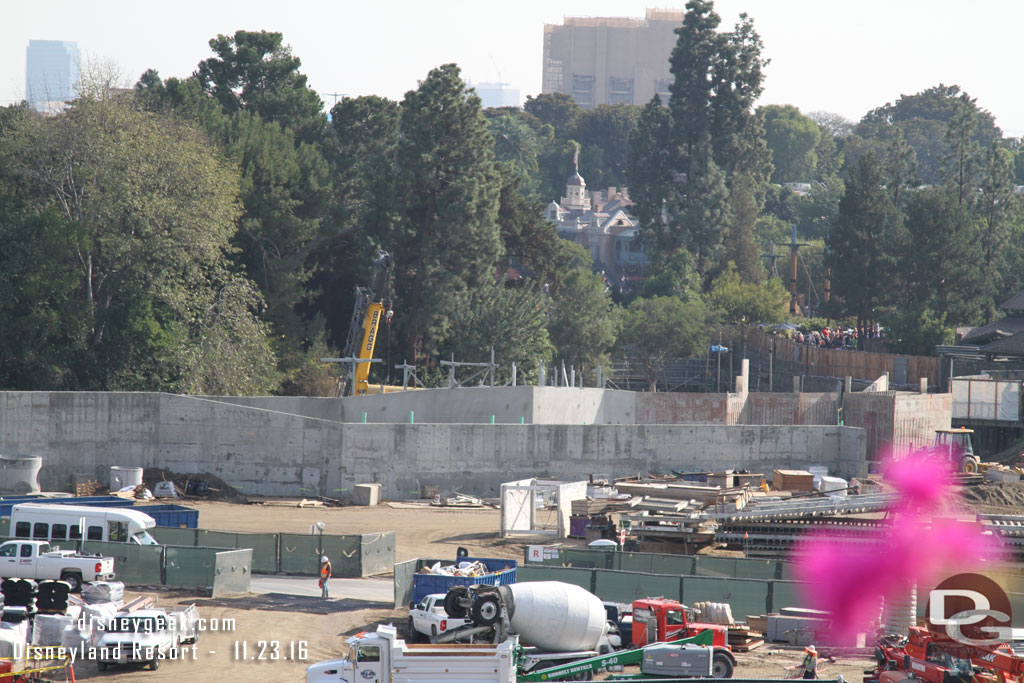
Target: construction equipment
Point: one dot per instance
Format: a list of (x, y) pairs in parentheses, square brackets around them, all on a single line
[(372, 304), (937, 658), (658, 619), (955, 445), (570, 629), (379, 656)]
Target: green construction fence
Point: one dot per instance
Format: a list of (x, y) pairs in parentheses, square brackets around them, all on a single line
[(657, 563), (221, 571), (352, 555), (746, 597)]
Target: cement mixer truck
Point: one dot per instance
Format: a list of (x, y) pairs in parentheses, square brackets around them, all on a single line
[(544, 631), (559, 622), (555, 622)]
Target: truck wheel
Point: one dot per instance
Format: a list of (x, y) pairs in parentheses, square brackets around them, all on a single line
[(721, 666), (74, 579), (486, 611), (154, 664), (413, 634), (969, 465), (451, 605)]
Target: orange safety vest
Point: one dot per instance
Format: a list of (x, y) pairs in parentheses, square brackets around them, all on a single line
[(325, 570)]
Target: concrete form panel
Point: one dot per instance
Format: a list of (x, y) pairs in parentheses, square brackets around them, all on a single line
[(676, 408), (917, 416)]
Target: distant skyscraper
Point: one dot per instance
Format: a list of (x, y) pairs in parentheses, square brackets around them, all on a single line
[(51, 73), (497, 95), (611, 60)]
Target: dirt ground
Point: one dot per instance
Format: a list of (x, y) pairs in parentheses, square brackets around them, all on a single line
[(318, 629)]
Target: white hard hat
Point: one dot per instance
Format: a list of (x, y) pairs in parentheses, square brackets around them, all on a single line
[(810, 648), (323, 558)]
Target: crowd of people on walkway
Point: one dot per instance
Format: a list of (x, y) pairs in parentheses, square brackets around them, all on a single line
[(836, 337)]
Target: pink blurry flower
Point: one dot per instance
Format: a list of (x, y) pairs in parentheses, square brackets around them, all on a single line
[(913, 547)]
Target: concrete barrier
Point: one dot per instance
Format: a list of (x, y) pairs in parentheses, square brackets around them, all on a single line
[(273, 453)]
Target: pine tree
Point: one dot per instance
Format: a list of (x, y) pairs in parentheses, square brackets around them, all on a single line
[(739, 245), (448, 239), (865, 242), (650, 173), (960, 160)]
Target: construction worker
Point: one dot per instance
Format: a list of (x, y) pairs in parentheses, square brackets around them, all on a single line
[(810, 663), (325, 573)]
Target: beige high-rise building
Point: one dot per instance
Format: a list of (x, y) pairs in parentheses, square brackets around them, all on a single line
[(611, 60)]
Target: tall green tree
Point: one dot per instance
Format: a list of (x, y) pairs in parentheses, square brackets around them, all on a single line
[(656, 330), (960, 162), (581, 324), (512, 321), (256, 71), (447, 241), (557, 110), (865, 244), (740, 248), (606, 128), (996, 206), (900, 167), (943, 271), (148, 210), (714, 134), (923, 119), (530, 241), (744, 301), (650, 171), (793, 140), (361, 150)]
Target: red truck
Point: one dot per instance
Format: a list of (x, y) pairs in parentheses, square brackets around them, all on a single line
[(658, 619)]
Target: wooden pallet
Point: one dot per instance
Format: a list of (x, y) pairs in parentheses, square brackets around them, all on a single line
[(748, 646)]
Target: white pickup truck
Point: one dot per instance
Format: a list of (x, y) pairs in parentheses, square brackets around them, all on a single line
[(147, 636), (428, 618), (35, 560)]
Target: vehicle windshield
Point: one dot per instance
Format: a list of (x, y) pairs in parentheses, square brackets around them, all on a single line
[(143, 538), (136, 625)]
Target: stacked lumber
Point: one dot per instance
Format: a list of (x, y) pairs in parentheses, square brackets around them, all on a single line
[(587, 507), (744, 639)]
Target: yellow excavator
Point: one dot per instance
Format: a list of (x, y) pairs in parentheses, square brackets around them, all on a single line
[(373, 304)]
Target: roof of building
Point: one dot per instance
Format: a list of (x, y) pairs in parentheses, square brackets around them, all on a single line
[(1007, 346), (1014, 303), (1000, 329), (576, 179)]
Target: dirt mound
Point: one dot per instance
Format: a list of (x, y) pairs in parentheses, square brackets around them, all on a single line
[(216, 488), (995, 494)]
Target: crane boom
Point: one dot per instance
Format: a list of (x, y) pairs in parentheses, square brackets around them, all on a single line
[(372, 304)]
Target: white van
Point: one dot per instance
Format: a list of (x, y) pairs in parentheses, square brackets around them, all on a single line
[(56, 523)]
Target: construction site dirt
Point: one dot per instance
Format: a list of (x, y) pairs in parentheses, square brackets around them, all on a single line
[(272, 630)]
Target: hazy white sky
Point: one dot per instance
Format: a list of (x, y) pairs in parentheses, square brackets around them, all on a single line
[(841, 56)]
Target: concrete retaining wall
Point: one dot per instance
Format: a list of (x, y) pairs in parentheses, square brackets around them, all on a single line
[(263, 452)]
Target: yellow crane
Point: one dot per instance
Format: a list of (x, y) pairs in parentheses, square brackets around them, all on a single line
[(373, 304)]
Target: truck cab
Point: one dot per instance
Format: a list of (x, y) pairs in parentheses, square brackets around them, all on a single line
[(378, 657), (658, 619)]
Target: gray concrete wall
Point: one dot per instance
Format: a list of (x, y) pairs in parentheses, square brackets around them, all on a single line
[(264, 452)]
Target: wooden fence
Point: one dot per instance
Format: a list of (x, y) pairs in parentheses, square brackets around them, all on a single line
[(907, 370)]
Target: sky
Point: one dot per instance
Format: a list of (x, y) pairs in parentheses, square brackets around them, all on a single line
[(844, 57)]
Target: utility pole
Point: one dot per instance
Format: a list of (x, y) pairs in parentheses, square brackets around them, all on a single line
[(335, 95), (793, 247)]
